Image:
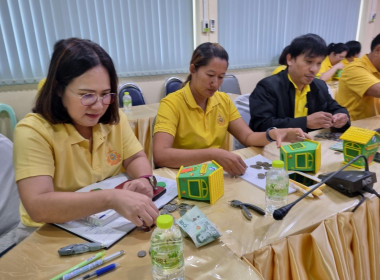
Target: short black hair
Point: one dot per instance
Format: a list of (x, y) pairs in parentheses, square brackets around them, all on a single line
[(310, 44), (354, 48), (282, 58), (337, 48), (375, 42)]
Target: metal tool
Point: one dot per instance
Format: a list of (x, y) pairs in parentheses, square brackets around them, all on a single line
[(244, 208)]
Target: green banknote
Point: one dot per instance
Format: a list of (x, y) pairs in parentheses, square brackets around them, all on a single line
[(198, 227)]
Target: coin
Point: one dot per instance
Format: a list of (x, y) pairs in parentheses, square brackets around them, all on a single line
[(261, 175), (185, 206), (164, 211), (170, 207), (141, 253), (259, 163), (255, 166)]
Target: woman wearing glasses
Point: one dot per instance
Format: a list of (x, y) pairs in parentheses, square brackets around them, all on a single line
[(75, 137)]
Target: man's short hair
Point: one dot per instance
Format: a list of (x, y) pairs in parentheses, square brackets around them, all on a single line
[(375, 42), (309, 44)]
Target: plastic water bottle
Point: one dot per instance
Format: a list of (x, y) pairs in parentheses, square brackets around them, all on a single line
[(277, 187), (127, 102), (166, 250)]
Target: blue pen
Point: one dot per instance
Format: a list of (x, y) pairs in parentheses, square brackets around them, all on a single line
[(92, 265), (100, 271)]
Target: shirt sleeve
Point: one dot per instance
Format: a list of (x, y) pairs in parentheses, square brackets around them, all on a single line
[(37, 159), (167, 118), (359, 80)]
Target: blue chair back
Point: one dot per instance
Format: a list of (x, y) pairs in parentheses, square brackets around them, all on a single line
[(172, 84), (135, 93)]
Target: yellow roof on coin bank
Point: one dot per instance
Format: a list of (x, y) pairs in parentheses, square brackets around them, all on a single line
[(358, 135)]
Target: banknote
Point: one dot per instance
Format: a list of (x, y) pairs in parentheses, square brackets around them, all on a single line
[(198, 227)]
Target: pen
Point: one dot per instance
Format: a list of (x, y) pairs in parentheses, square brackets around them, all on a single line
[(92, 265), (85, 262), (294, 186), (100, 271)]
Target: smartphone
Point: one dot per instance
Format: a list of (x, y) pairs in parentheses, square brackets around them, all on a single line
[(302, 179), (305, 181), (157, 193)]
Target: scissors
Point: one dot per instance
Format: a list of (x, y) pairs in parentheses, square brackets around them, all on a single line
[(244, 208)]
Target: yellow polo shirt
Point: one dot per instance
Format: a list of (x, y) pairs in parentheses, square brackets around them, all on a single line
[(300, 109), (325, 66), (346, 62), (279, 69), (191, 127), (59, 151), (356, 79)]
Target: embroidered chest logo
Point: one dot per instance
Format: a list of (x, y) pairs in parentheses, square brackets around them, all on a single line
[(220, 120), (113, 157)]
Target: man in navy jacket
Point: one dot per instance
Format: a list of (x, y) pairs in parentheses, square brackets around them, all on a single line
[(293, 97)]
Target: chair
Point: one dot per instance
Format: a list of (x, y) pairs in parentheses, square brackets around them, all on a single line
[(172, 84), (135, 93), (11, 113), (230, 84), (9, 198)]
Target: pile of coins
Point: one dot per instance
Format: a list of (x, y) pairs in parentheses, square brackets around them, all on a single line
[(335, 136), (261, 165), (173, 206)]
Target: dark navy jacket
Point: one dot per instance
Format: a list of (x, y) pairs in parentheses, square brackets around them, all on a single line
[(272, 103)]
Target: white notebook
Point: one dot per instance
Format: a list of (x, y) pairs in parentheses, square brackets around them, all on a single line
[(116, 226)]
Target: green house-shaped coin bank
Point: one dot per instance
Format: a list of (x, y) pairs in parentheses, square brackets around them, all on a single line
[(302, 156), (359, 141), (203, 182)]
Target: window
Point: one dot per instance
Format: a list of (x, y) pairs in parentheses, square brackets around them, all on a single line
[(144, 37), (254, 32)]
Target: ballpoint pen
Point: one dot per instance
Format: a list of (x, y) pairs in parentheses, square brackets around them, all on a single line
[(100, 271), (85, 262), (92, 265)]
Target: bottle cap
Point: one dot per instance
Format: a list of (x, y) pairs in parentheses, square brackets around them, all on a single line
[(278, 163), (164, 221), (126, 92)]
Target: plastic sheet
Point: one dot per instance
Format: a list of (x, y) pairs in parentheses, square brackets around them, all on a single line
[(37, 258)]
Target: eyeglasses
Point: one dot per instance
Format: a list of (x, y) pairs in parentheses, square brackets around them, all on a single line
[(88, 99)]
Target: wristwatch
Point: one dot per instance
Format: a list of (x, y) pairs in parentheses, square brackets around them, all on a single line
[(270, 139), (152, 180)]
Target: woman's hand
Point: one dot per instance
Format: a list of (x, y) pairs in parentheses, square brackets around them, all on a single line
[(140, 185), (136, 207), (288, 135), (231, 163)]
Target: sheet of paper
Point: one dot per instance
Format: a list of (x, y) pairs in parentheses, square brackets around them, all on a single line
[(116, 229), (251, 174)]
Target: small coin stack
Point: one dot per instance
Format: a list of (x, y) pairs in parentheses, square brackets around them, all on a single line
[(261, 165)]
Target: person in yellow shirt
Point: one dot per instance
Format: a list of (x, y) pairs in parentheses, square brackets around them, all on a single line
[(354, 49), (281, 61), (75, 137), (359, 85), (331, 66), (193, 122)]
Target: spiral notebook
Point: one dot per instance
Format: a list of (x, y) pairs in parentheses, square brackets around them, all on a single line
[(110, 231)]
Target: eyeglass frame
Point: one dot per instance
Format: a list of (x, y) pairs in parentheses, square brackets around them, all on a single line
[(80, 96)]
